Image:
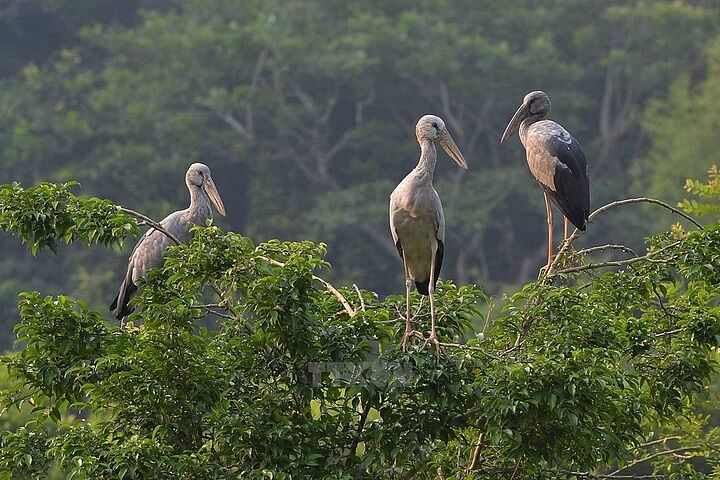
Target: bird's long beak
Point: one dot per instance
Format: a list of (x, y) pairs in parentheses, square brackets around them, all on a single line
[(210, 188), (449, 146), (521, 114)]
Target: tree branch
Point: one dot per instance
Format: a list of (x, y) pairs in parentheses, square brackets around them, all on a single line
[(358, 434), (618, 477), (249, 120), (149, 221), (655, 201), (653, 456), (326, 284), (576, 233), (362, 300), (476, 454), (615, 263), (601, 248)]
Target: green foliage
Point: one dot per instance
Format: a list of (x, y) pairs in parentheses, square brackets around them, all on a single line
[(707, 191), (580, 371), (43, 214)]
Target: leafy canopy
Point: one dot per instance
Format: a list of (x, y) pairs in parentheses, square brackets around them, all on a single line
[(580, 371)]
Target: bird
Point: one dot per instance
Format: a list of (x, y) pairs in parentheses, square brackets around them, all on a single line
[(417, 220), (556, 160), (149, 250)]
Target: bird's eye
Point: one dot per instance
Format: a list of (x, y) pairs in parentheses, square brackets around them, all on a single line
[(434, 124)]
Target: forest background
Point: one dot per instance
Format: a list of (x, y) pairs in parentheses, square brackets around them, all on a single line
[(305, 112)]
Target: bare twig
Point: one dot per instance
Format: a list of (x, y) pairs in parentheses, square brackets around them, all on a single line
[(209, 309), (326, 284), (576, 233), (660, 440), (615, 263), (358, 435), (599, 475), (601, 248), (362, 300), (669, 332), (489, 313), (149, 221), (476, 453), (652, 457), (655, 201), (219, 314)]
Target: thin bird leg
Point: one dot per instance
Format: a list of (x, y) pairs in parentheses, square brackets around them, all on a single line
[(567, 229), (548, 206), (431, 290), (408, 323)]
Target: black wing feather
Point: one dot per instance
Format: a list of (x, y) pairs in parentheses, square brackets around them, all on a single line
[(572, 184), (120, 306), (423, 287)]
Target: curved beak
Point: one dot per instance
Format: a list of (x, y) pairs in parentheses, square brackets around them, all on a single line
[(521, 114), (210, 188), (449, 146)]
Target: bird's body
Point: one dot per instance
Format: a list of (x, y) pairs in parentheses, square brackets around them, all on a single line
[(417, 220), (149, 251), (417, 217), (555, 159), (558, 163)]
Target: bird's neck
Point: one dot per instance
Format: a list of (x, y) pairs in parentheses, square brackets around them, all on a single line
[(199, 208), (428, 157), (525, 125)]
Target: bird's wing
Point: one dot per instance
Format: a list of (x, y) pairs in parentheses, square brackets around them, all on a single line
[(439, 235), (439, 218), (393, 232), (571, 183), (146, 254)]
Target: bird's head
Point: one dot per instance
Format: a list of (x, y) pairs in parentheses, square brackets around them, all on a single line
[(534, 103), (431, 127), (198, 175)]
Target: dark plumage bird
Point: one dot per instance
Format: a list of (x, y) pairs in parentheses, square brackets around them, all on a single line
[(556, 160), (417, 221), (148, 252)]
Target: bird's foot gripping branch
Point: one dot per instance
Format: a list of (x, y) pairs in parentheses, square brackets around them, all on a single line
[(298, 380)]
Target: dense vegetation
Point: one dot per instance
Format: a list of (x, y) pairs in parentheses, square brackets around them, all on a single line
[(581, 374), (304, 111)]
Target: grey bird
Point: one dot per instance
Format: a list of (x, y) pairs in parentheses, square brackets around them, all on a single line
[(149, 250), (417, 221), (556, 160)]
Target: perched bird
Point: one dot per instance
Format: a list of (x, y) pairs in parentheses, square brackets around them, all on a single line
[(417, 221), (148, 252), (556, 160)]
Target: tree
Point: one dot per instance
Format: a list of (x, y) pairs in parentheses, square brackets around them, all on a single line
[(573, 379), (684, 131)]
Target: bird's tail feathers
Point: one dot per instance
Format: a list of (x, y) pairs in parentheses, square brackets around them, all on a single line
[(423, 287), (120, 304)]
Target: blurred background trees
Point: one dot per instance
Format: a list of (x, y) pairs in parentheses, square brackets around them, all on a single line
[(305, 112)]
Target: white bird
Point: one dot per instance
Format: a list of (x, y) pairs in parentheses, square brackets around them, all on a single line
[(556, 160), (417, 221), (148, 252)]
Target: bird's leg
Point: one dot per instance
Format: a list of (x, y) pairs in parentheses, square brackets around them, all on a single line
[(567, 229), (549, 212), (431, 290), (408, 323)]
